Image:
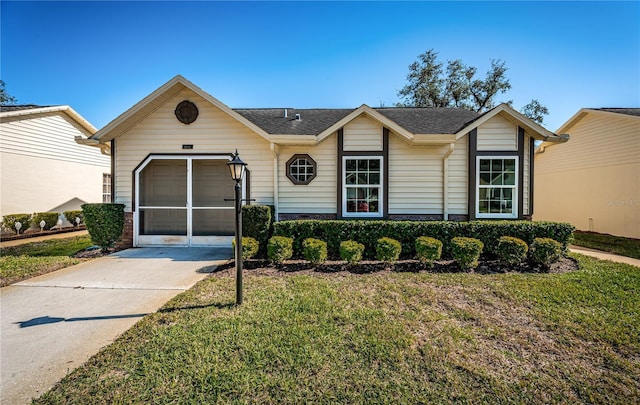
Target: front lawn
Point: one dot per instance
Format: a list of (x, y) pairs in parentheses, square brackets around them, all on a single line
[(385, 337), (608, 243), (32, 259)]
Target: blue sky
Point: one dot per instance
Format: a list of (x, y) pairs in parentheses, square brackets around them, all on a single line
[(103, 57)]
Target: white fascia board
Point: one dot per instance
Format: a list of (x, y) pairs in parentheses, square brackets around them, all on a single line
[(433, 139), (53, 109), (584, 111), (294, 139), (525, 122), (105, 148), (365, 109)]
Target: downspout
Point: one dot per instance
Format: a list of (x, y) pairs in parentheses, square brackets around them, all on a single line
[(445, 181), (274, 151)]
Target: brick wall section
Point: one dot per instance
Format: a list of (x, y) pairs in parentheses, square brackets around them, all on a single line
[(126, 240), (286, 217)]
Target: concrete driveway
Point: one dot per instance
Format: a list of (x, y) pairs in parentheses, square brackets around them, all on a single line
[(53, 323)]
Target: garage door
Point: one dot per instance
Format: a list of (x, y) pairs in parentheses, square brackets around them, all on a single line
[(183, 201)]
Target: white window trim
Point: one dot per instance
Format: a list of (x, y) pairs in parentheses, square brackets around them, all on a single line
[(346, 214), (514, 214)]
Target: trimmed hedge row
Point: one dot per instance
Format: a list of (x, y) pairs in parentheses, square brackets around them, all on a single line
[(406, 232)]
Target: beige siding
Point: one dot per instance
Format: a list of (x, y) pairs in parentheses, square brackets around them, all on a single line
[(458, 178), (34, 184), (593, 181), (42, 167), (415, 178), (49, 136), (497, 134), (213, 132), (317, 197), (362, 134)]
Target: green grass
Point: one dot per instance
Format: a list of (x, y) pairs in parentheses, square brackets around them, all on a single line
[(31, 259), (608, 243), (400, 338)]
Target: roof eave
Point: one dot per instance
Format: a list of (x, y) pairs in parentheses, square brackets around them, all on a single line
[(365, 109), (307, 140), (528, 124), (91, 130)]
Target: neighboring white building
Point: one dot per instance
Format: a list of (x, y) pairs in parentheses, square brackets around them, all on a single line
[(170, 152), (43, 168), (593, 181)]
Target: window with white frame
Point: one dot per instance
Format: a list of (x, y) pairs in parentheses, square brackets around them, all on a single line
[(106, 187), (362, 186), (497, 187)]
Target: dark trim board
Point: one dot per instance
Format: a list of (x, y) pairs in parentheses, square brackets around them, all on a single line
[(385, 158), (521, 173), (339, 175), (471, 192), (472, 180), (385, 168)]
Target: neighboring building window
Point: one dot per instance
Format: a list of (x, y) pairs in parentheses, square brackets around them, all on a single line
[(301, 169), (362, 187), (497, 187), (106, 187)]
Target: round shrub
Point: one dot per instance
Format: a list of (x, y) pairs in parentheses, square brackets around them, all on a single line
[(466, 251), (104, 223), (545, 251), (351, 251), (10, 220), (388, 250), (512, 251), (428, 249), (279, 249), (314, 250), (72, 215), (50, 219), (250, 247)]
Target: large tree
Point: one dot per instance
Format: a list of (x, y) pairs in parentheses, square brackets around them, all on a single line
[(5, 98), (432, 84)]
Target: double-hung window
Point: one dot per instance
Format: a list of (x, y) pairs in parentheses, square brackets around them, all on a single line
[(497, 187), (106, 187), (362, 183)]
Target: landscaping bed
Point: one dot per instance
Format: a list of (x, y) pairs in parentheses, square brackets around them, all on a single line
[(259, 266)]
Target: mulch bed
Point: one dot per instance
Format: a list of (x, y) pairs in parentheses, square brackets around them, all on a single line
[(264, 267)]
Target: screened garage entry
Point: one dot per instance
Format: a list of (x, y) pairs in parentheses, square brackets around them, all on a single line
[(184, 201)]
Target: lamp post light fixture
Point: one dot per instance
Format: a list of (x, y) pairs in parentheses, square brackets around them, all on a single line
[(237, 168)]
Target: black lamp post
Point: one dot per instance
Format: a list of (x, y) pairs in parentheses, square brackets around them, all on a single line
[(237, 168)]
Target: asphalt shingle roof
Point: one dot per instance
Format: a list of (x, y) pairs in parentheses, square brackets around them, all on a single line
[(314, 121), (430, 120), (626, 111), (19, 107)]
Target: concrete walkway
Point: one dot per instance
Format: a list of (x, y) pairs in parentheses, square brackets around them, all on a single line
[(598, 254), (53, 323)]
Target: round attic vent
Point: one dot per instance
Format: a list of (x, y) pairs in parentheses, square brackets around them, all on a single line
[(186, 112)]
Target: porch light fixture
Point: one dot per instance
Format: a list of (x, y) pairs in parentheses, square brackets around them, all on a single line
[(237, 168)]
